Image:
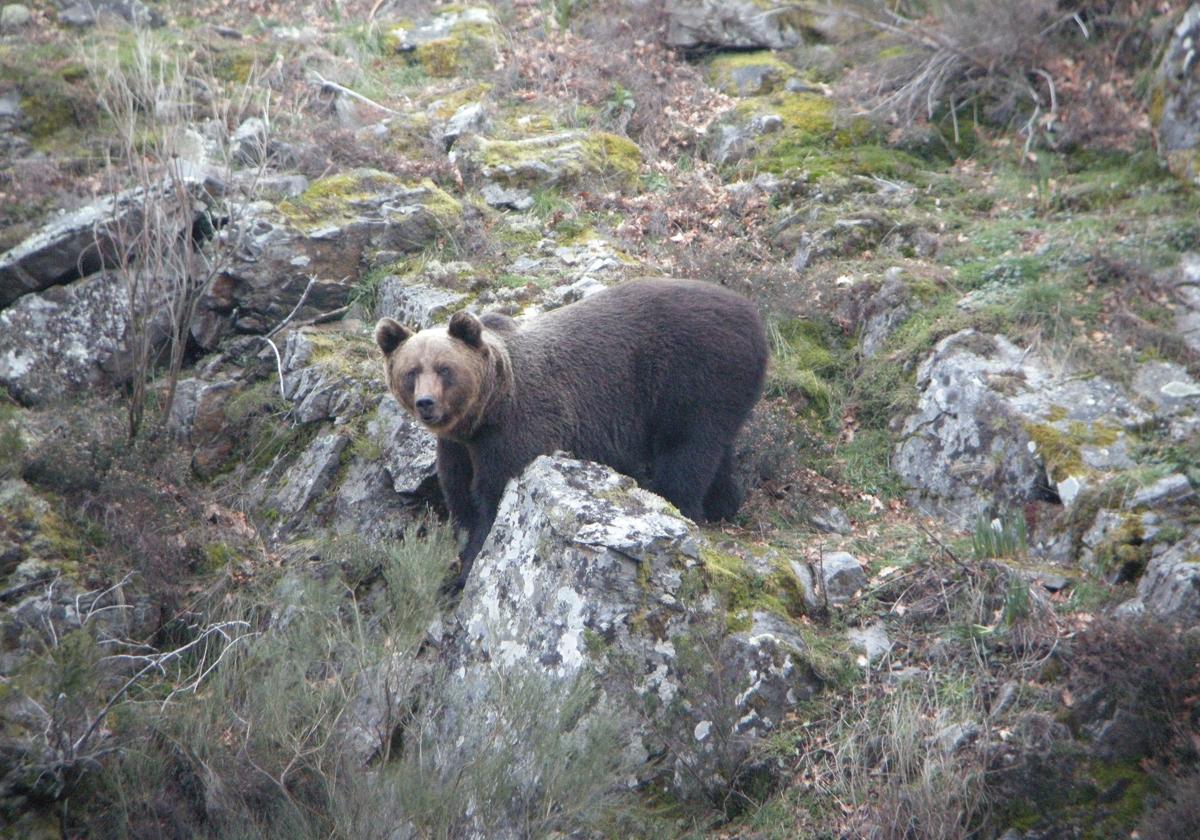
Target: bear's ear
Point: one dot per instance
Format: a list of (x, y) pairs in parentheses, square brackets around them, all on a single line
[(391, 334), (466, 328)]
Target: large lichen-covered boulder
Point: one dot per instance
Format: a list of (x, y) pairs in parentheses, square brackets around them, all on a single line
[(740, 24), (71, 339), (559, 159), (997, 426), (585, 573), (1175, 103), (327, 233)]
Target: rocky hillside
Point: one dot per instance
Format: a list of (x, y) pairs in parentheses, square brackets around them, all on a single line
[(962, 598)]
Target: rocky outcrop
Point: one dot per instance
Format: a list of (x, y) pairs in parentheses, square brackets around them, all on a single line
[(319, 241), (583, 571), (79, 243), (996, 427), (1175, 108), (1170, 588), (742, 24)]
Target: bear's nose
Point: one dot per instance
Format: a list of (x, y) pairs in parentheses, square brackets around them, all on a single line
[(424, 403)]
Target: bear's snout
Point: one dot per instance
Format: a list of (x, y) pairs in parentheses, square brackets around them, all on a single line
[(426, 407)]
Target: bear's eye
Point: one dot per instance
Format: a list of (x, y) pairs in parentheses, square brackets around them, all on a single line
[(445, 373), (410, 379)]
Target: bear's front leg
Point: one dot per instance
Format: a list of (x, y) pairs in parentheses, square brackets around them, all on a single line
[(495, 464), (455, 475)]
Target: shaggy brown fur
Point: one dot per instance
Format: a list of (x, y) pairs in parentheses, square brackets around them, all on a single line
[(652, 377)]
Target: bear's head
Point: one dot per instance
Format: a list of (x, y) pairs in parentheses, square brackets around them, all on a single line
[(444, 376)]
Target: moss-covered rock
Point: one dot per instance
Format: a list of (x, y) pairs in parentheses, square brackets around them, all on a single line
[(564, 157), (342, 199), (749, 74), (460, 41)]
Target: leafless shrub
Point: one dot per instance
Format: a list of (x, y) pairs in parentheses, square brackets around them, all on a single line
[(1047, 67), (165, 252)]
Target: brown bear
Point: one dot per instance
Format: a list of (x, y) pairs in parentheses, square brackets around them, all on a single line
[(651, 377)]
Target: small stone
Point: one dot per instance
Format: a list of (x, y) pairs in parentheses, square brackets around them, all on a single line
[(1070, 488), (249, 143), (953, 738), (1053, 583), (843, 576), (510, 198), (469, 118), (1005, 697), (872, 640), (831, 521)]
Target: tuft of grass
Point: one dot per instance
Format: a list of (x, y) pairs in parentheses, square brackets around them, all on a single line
[(1000, 537)]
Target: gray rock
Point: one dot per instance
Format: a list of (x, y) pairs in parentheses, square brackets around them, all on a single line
[(1185, 284), (808, 585), (317, 392), (409, 450), (969, 450), (14, 16), (956, 736), (78, 243), (872, 640), (883, 314), (1168, 386), (730, 141), (831, 520), (467, 119), (731, 24), (1005, 697), (249, 143), (1168, 492), (311, 475), (753, 79), (581, 288), (842, 576), (1178, 82), (507, 198), (1052, 582), (366, 503), (1170, 588), (583, 571), (70, 339), (87, 12), (414, 304), (198, 419)]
